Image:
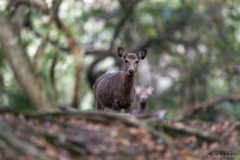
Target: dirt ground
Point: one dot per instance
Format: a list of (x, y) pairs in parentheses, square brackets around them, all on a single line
[(76, 138)]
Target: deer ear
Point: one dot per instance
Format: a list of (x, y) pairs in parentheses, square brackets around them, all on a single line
[(121, 53), (150, 90), (137, 89), (142, 54)]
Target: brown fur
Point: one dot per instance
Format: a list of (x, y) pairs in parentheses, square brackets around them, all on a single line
[(115, 91)]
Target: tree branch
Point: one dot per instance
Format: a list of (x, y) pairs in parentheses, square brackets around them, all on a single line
[(78, 52), (188, 111), (15, 3), (121, 22), (14, 53), (52, 71), (106, 118), (40, 50), (171, 129), (20, 146)]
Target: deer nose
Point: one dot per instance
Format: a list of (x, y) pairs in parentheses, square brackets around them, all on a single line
[(143, 99), (131, 71)]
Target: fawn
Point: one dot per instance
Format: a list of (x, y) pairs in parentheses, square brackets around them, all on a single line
[(143, 94), (116, 91)]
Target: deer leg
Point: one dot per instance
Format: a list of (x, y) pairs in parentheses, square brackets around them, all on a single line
[(128, 110), (116, 107), (100, 107)]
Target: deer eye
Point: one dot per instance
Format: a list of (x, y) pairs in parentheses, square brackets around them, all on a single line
[(136, 61), (126, 61)]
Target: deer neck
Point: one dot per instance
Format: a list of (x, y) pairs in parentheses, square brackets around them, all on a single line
[(128, 82), (142, 106)]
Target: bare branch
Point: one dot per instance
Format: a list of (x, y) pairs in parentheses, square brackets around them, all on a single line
[(188, 111), (52, 71), (20, 146), (121, 22), (78, 52), (30, 3), (96, 52), (14, 53), (40, 50), (171, 129)]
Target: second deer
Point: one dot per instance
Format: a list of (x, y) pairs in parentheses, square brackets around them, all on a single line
[(143, 94)]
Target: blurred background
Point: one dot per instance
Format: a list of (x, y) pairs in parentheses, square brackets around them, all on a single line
[(193, 50)]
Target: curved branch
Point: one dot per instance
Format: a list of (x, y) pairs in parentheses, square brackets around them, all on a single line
[(52, 71), (121, 22), (14, 53), (171, 129), (78, 52), (188, 111), (40, 50), (90, 74), (30, 3)]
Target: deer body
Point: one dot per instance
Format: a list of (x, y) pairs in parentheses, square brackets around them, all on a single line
[(115, 91), (142, 107)]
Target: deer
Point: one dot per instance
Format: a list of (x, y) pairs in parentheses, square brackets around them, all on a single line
[(143, 94), (115, 91)]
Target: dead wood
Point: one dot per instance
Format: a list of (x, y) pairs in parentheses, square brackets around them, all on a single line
[(106, 118), (110, 118), (172, 129), (156, 116), (188, 111), (20, 146), (76, 145)]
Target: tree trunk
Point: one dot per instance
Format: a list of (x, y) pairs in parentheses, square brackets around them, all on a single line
[(195, 91), (187, 89), (12, 48)]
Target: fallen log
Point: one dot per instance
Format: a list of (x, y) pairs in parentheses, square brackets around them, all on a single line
[(100, 117), (188, 111), (19, 146), (172, 129), (156, 116)]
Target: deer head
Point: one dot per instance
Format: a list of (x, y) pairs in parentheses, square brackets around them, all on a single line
[(131, 60), (143, 93)]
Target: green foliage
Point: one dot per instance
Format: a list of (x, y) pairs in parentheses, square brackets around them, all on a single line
[(19, 100), (193, 44)]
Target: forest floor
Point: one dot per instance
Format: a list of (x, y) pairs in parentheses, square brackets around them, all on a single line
[(65, 138)]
